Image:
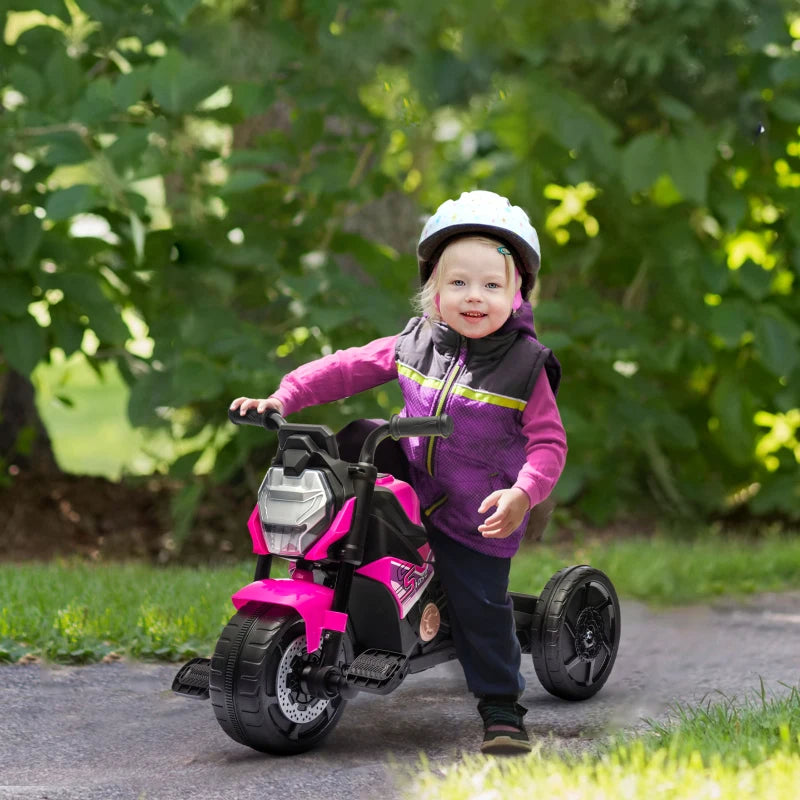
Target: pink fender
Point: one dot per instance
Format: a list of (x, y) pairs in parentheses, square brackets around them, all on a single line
[(310, 600)]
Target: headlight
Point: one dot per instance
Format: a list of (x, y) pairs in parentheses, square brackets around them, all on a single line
[(294, 512)]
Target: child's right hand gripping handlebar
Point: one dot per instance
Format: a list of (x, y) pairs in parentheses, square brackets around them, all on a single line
[(270, 419)]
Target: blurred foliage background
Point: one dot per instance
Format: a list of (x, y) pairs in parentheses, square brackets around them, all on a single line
[(199, 195)]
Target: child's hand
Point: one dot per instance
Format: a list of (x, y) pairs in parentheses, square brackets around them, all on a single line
[(244, 404), (512, 506)]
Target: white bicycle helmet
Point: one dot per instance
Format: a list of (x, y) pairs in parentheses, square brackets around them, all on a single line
[(481, 212)]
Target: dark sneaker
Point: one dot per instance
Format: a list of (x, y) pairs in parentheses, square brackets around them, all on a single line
[(503, 731)]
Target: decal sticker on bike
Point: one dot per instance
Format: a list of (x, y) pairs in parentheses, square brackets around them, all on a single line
[(408, 581)]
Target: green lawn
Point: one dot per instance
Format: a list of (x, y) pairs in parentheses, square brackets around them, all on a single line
[(666, 570), (78, 611), (729, 750)]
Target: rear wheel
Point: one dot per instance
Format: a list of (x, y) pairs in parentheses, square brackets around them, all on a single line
[(255, 688), (575, 632)]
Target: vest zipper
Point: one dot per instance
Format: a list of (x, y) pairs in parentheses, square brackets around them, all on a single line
[(449, 380)]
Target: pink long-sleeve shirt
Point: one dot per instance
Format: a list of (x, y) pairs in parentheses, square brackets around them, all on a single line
[(347, 372)]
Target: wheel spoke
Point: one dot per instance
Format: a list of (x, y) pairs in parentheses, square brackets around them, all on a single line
[(604, 605), (585, 601), (572, 663), (570, 628)]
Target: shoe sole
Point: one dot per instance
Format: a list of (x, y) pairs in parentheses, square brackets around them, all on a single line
[(505, 746)]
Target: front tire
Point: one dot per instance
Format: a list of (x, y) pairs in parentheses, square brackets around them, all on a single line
[(254, 686), (575, 632)]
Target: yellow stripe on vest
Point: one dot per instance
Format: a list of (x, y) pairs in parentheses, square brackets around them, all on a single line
[(488, 397), (418, 377)]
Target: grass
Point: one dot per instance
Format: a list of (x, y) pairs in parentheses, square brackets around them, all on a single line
[(78, 612), (664, 571), (724, 750), (73, 611)]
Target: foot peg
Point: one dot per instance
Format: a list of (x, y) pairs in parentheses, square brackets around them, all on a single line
[(377, 671), (192, 679)]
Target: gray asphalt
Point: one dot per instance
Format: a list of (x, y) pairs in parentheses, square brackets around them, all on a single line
[(116, 731)]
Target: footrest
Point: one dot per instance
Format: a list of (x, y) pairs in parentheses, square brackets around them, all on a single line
[(378, 671), (192, 679)]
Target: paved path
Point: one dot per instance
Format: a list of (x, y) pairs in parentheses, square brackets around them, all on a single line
[(116, 731)]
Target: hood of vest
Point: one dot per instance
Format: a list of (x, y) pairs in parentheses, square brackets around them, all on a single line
[(446, 339)]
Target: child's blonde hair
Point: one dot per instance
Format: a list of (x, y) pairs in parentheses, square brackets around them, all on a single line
[(425, 300)]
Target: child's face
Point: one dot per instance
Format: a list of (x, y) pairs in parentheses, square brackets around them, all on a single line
[(474, 293)]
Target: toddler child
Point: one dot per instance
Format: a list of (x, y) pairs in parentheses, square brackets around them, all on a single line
[(473, 354)]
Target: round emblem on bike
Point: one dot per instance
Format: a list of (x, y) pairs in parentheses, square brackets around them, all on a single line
[(430, 622)]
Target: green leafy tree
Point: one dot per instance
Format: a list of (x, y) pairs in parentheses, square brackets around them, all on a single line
[(243, 180)]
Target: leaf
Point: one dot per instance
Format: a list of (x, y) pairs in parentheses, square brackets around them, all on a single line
[(731, 405), (775, 339), (65, 79), (15, 295), (182, 467), (179, 83), (127, 150), (229, 459), (180, 9), (138, 233), (728, 202), (253, 98), (730, 320), (779, 493), (786, 70), (67, 334), (690, 160), (27, 81), (56, 8), (244, 180), (65, 147), (194, 379), (83, 291), (97, 103), (786, 108), (66, 203), (24, 238), (754, 279), (674, 109), (131, 87), (643, 161), (149, 393), (23, 344)]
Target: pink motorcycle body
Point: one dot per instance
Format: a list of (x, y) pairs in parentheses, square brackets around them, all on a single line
[(405, 581)]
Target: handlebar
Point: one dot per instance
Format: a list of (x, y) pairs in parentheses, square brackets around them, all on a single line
[(402, 427), (270, 419), (397, 428)]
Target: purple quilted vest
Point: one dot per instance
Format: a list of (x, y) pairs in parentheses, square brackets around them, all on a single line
[(484, 385)]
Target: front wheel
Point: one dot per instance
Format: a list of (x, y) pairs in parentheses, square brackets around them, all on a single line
[(575, 632), (254, 684)]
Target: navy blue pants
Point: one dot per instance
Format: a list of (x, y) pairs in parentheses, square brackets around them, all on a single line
[(476, 585)]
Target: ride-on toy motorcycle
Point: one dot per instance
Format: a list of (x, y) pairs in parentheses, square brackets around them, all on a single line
[(362, 607)]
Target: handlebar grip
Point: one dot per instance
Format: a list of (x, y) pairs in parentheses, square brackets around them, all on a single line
[(402, 427), (270, 419)]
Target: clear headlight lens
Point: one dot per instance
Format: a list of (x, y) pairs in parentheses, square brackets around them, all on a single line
[(294, 512)]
